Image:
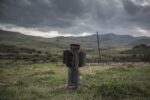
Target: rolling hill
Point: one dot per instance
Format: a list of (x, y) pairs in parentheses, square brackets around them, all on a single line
[(107, 41), (14, 38)]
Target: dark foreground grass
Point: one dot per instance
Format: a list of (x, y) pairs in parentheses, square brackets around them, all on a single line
[(48, 82)]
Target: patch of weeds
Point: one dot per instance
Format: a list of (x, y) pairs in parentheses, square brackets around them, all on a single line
[(57, 64), (1, 70), (89, 77), (119, 91), (7, 93), (50, 72), (105, 72), (119, 68), (39, 92), (20, 83), (130, 66)]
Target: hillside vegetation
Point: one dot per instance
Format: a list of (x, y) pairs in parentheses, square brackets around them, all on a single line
[(21, 40), (15, 53), (107, 41), (139, 52)]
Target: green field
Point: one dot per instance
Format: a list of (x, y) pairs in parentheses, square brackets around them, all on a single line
[(47, 81)]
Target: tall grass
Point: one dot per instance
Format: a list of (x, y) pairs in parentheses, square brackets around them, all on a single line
[(48, 81)]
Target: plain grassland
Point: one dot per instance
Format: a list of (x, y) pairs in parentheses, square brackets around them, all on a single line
[(47, 81)]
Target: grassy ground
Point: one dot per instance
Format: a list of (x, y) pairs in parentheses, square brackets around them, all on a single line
[(20, 81)]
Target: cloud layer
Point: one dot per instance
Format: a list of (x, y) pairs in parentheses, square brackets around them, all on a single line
[(77, 16)]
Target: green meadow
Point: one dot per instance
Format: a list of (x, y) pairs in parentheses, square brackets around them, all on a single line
[(48, 81)]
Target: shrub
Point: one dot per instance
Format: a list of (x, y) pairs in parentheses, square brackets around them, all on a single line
[(54, 59), (119, 91)]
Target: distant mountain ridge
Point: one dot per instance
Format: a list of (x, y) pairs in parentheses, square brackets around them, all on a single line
[(107, 41)]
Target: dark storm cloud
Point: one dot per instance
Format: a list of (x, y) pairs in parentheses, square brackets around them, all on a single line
[(33, 13), (130, 7), (139, 14), (76, 16)]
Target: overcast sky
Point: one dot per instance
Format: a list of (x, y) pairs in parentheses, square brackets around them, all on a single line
[(50, 18)]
